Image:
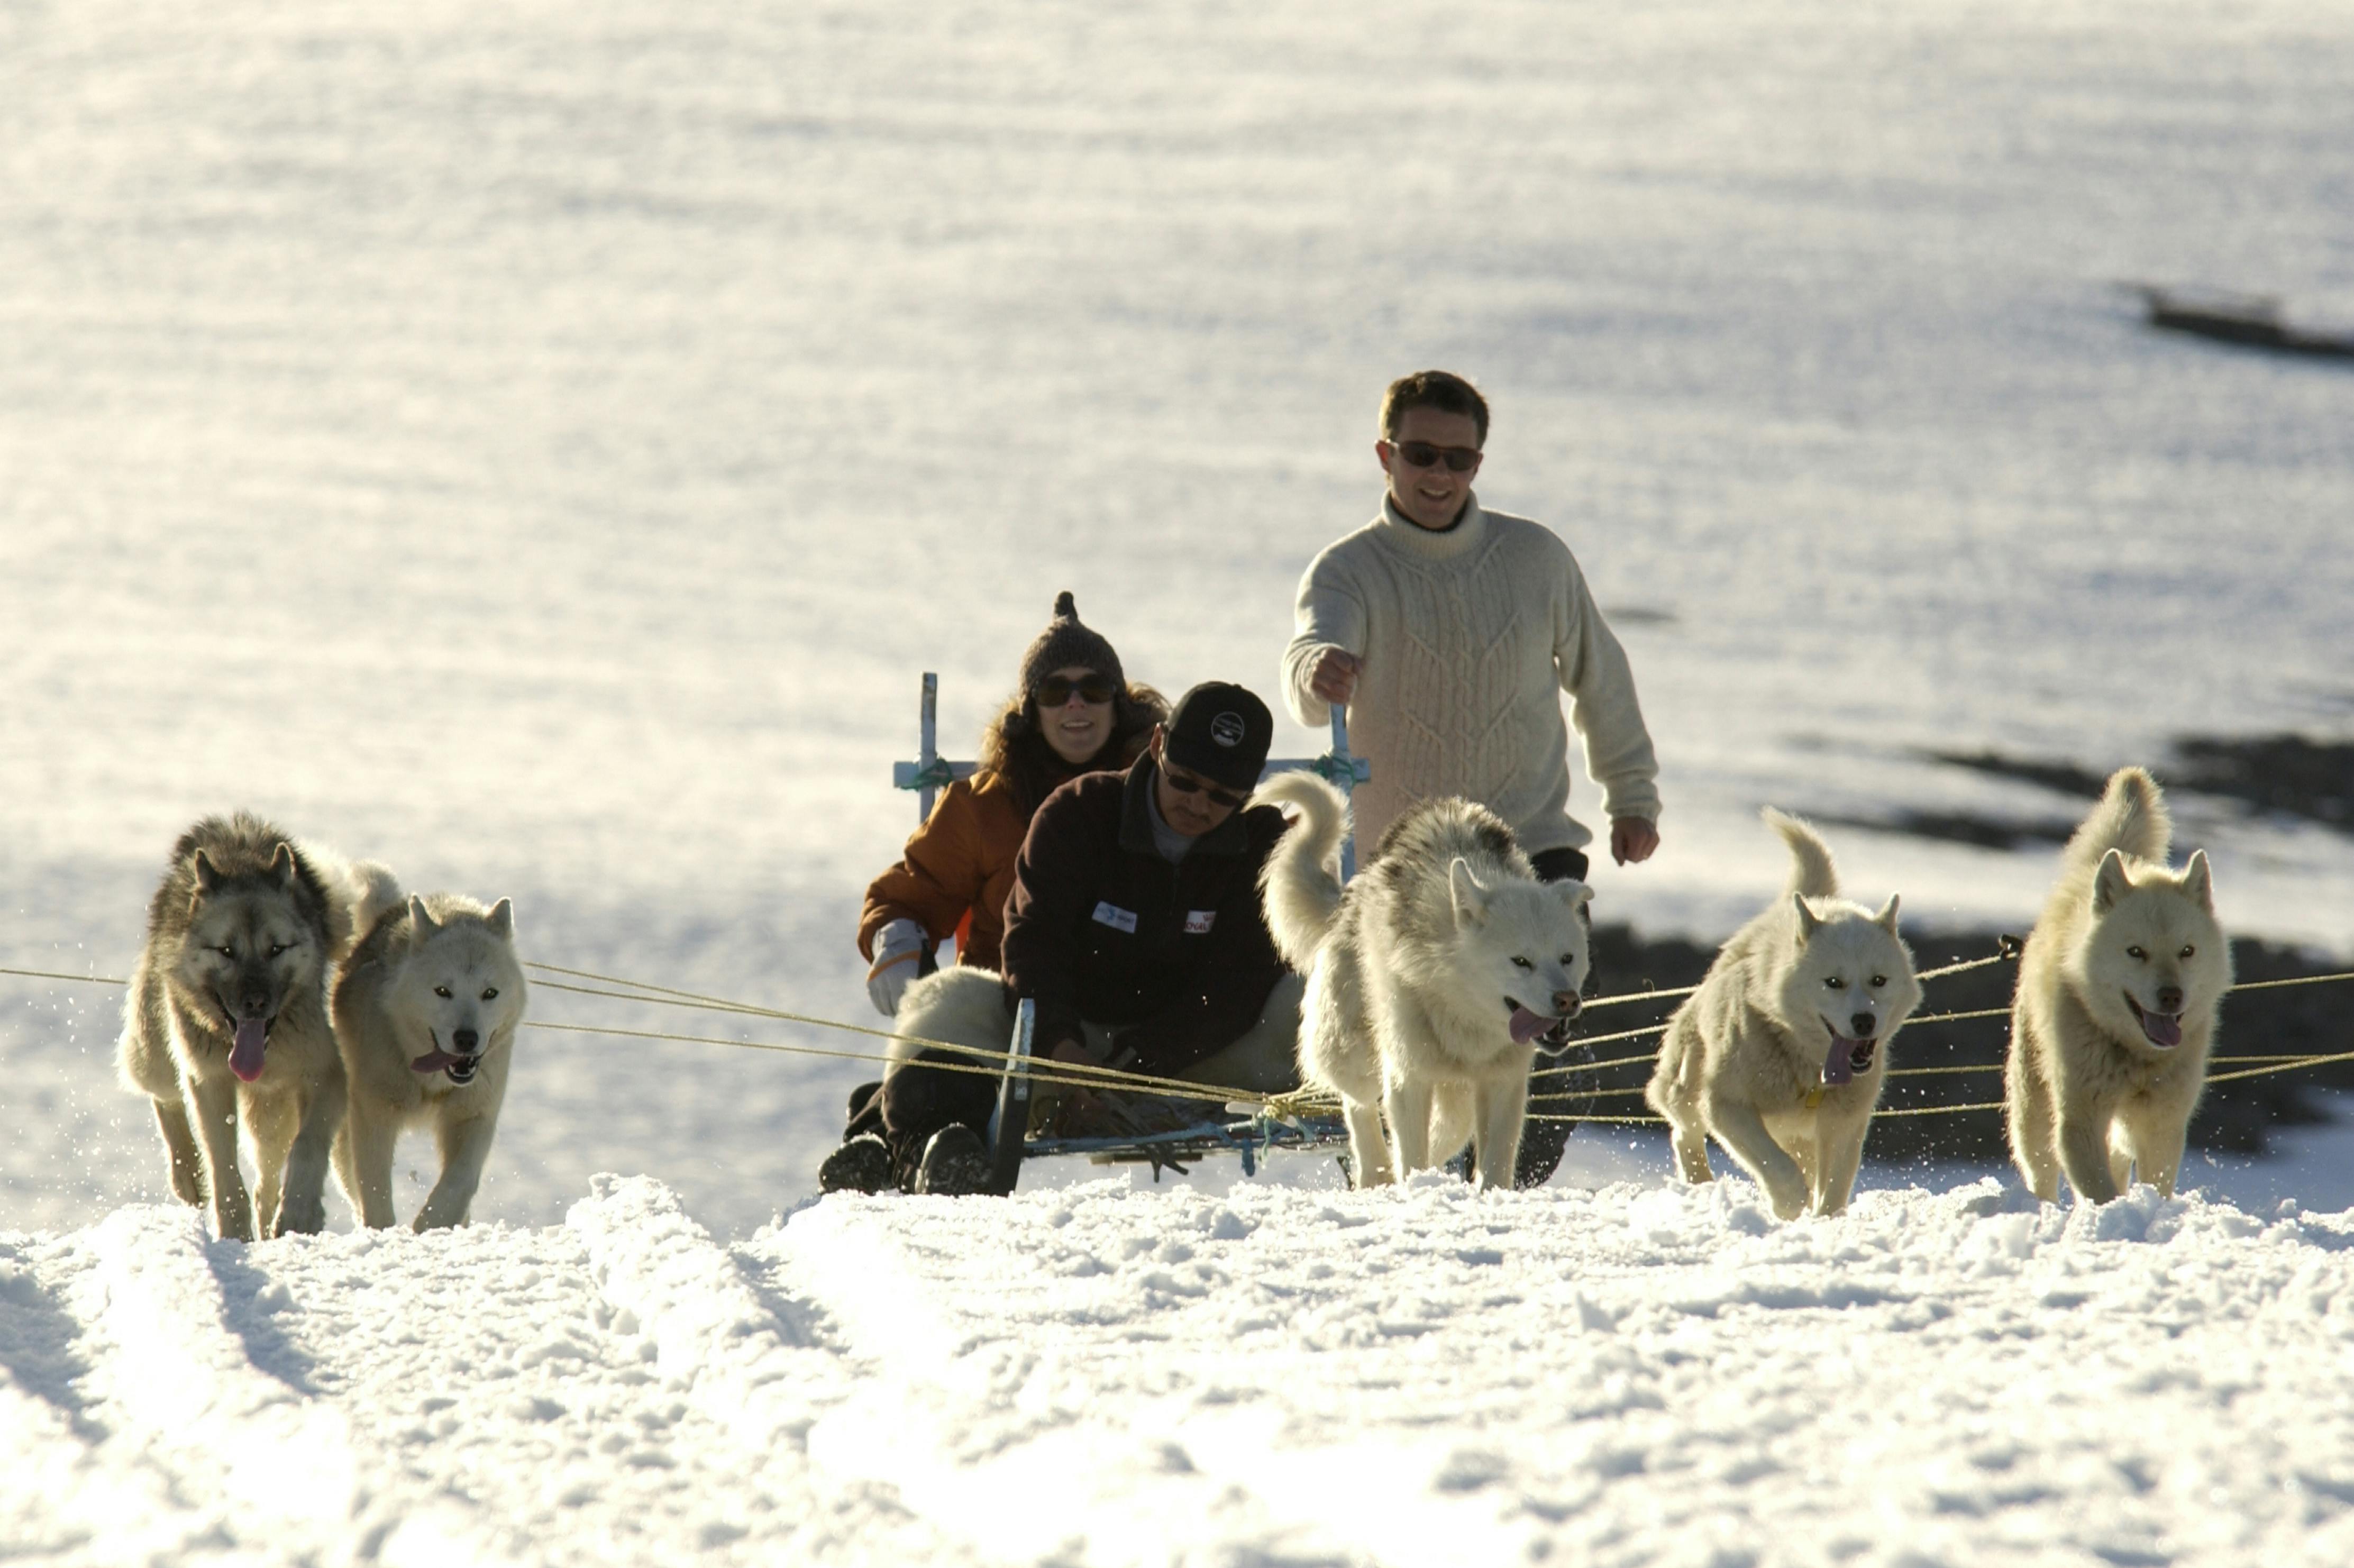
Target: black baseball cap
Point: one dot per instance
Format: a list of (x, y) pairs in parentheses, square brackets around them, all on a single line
[(1220, 731)]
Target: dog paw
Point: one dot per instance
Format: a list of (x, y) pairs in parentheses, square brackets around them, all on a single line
[(301, 1219)]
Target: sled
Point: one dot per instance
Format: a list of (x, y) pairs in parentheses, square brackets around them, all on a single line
[(1243, 1130), (1246, 1130)]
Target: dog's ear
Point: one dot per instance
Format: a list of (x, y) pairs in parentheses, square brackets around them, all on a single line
[(420, 916), (501, 919), (1886, 918), (209, 876), (1470, 898), (2110, 883), (1576, 894), (282, 864), (2199, 881), (1808, 923)]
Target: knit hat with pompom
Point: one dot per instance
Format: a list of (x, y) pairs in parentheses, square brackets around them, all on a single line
[(1066, 642)]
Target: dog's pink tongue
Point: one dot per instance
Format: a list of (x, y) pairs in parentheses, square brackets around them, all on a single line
[(1838, 1067), (245, 1052), (2163, 1029), (1527, 1026), (431, 1061)]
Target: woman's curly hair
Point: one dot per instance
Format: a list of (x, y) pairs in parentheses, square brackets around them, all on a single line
[(1014, 747)]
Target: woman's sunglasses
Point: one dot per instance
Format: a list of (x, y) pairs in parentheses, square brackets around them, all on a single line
[(1422, 454), (1055, 690), (1184, 783)]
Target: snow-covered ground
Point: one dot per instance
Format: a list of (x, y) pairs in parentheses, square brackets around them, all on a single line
[(539, 446), (1276, 1374)]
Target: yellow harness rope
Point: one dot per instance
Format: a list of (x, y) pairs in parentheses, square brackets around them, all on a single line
[(1289, 1108)]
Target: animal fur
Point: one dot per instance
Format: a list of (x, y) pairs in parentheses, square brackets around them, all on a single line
[(1429, 977), (426, 1013), (1781, 1053), (225, 1026), (2115, 1015)]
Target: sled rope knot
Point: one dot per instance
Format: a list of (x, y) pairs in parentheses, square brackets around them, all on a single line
[(938, 773), (1340, 772)]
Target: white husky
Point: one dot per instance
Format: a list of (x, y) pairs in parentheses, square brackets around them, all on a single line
[(1778, 1053), (2115, 1010), (1429, 977), (426, 1015)]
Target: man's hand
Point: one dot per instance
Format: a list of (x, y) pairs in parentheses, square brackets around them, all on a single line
[(1334, 675), (1078, 1055), (1071, 1051), (1632, 840)]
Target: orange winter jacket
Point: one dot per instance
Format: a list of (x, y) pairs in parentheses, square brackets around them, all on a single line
[(959, 863)]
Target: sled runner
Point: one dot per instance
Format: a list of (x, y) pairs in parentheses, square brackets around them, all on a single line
[(1009, 1140)]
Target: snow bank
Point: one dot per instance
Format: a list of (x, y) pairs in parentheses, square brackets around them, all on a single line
[(1105, 1376), (1432, 1375)]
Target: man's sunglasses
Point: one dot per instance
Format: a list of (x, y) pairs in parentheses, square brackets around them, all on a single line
[(1184, 783), (1055, 690), (1422, 454)]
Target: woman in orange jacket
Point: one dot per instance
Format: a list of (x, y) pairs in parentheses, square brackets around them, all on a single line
[(1074, 713)]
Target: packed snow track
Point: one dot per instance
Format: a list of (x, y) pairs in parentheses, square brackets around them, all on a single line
[(1100, 1375)]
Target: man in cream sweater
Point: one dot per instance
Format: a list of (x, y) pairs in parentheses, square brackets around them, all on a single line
[(1450, 633)]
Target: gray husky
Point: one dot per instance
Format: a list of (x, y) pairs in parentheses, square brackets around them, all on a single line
[(1781, 1052), (226, 1022), (426, 1013), (1429, 977), (2118, 992)]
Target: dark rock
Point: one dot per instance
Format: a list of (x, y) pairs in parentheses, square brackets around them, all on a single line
[(2293, 774), (1958, 828)]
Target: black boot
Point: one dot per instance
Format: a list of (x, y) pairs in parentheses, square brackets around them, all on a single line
[(955, 1163), (862, 1164)]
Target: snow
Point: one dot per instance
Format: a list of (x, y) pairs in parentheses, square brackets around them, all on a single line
[(540, 446), (1280, 1373)]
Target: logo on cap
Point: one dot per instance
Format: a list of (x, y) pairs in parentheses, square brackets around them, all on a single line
[(1226, 729)]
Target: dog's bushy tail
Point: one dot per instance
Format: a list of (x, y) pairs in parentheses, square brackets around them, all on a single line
[(2131, 817), (358, 893), (374, 893), (1811, 871), (1301, 884)]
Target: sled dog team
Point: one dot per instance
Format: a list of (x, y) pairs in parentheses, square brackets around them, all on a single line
[(1110, 862), (309, 1005), (1430, 974), (307, 1002)]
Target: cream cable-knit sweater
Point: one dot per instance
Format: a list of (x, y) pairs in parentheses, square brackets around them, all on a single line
[(1469, 637)]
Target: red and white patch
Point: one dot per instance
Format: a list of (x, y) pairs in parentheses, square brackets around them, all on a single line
[(1199, 921)]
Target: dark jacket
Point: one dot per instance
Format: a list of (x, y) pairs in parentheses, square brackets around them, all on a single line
[(1175, 961)]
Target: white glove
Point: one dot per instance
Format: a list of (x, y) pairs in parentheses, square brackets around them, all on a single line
[(898, 948)]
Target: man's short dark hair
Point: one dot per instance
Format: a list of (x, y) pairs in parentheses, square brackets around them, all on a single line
[(1440, 389)]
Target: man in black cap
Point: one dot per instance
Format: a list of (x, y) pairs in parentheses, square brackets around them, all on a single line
[(1134, 924)]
